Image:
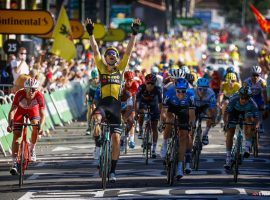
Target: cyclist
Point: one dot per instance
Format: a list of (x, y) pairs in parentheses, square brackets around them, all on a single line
[(129, 92), (205, 102), (228, 88), (215, 82), (28, 101), (149, 95), (138, 74), (240, 104), (258, 88), (155, 71), (232, 70), (110, 70), (182, 105), (89, 97)]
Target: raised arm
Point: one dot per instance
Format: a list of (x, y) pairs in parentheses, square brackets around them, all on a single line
[(135, 26), (90, 29)]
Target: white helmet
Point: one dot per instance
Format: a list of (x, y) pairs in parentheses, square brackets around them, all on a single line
[(154, 70), (137, 68), (185, 69), (256, 69), (31, 83), (177, 73)]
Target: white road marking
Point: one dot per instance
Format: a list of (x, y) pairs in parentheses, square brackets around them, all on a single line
[(203, 191), (27, 196), (61, 149), (99, 193), (158, 192)]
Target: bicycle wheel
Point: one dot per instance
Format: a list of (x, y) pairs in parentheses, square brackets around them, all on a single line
[(168, 162), (196, 158), (146, 144), (255, 144), (21, 163), (173, 162), (105, 164)]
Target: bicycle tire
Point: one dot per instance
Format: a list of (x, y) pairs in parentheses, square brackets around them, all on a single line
[(173, 163), (255, 145), (196, 159), (237, 156), (105, 164), (168, 163), (21, 164), (146, 141)]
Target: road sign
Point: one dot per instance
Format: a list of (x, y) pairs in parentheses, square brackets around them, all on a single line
[(77, 29), (127, 29), (189, 21), (32, 22), (99, 32), (115, 34), (11, 46)]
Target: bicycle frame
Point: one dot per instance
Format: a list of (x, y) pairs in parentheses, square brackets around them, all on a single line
[(23, 156)]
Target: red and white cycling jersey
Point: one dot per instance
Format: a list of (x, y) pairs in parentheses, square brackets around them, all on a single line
[(31, 109)]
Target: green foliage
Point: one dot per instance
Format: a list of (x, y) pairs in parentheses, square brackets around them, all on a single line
[(232, 9)]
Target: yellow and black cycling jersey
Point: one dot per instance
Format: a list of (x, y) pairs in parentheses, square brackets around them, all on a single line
[(111, 81), (229, 89)]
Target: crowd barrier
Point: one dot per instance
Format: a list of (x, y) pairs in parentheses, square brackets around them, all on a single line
[(62, 106)]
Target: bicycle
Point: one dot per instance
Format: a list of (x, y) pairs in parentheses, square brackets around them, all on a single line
[(23, 156), (237, 150), (197, 142), (105, 155), (171, 159), (147, 135), (255, 144)]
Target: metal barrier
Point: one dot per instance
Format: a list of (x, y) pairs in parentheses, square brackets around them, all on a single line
[(6, 88)]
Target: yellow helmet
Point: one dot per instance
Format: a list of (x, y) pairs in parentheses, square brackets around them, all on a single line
[(175, 67), (112, 48), (231, 77)]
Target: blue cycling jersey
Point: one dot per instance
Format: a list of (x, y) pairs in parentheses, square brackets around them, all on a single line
[(97, 96), (209, 98), (170, 98), (249, 107)]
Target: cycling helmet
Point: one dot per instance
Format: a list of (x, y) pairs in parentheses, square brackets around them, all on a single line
[(230, 69), (176, 73), (154, 70), (166, 66), (129, 75), (185, 69), (113, 49), (150, 78), (31, 83), (256, 69), (171, 62), (138, 68), (245, 91), (94, 73), (181, 83), (231, 77), (203, 82), (132, 64), (190, 78)]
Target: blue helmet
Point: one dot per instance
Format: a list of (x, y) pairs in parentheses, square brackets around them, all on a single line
[(185, 69), (230, 69), (203, 82), (181, 83)]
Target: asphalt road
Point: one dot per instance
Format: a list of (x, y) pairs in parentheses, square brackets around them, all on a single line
[(65, 169)]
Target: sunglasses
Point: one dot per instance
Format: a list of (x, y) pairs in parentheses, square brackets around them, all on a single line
[(111, 53), (181, 91), (202, 89), (255, 75), (32, 90), (150, 83), (244, 98)]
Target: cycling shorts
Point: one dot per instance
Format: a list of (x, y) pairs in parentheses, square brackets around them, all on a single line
[(182, 115), (234, 117), (33, 114), (110, 110), (154, 110)]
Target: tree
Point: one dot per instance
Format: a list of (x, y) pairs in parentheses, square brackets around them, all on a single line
[(232, 9)]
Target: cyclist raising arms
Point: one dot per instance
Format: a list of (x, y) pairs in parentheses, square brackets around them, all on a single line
[(240, 104), (28, 101), (110, 69)]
